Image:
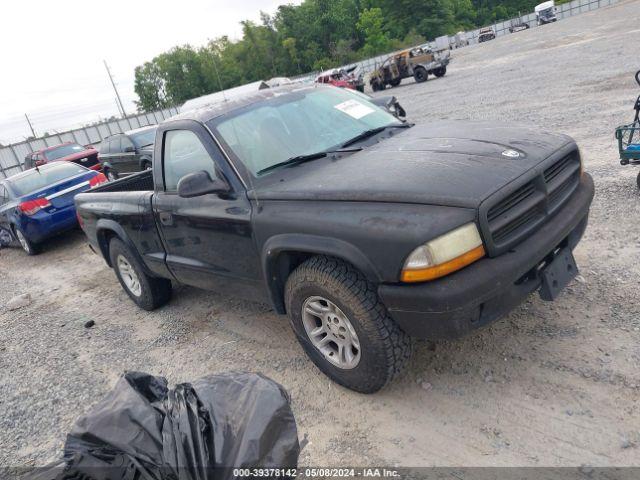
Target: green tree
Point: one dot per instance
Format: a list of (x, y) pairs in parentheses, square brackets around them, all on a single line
[(314, 35), (371, 25)]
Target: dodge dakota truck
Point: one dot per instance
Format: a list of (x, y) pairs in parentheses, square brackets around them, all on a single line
[(365, 230)]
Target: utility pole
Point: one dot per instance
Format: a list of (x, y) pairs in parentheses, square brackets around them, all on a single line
[(114, 88), (33, 132), (118, 107)]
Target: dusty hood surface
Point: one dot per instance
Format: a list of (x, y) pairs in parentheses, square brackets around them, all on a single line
[(449, 163)]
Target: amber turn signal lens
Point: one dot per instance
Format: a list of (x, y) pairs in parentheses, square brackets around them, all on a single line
[(437, 271)]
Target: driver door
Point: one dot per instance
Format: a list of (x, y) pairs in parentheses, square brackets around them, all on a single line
[(208, 239)]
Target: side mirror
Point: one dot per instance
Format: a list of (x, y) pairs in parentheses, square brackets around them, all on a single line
[(200, 183), (391, 104), (129, 149)]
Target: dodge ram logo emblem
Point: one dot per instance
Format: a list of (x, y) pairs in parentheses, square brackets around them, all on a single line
[(511, 154)]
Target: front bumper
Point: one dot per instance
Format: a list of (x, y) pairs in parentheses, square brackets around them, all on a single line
[(490, 288)]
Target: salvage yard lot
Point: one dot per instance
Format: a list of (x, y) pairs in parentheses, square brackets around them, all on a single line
[(552, 384)]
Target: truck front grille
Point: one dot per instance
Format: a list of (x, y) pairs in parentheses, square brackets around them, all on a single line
[(510, 217)]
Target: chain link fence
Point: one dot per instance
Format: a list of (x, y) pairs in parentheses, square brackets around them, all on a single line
[(12, 156)]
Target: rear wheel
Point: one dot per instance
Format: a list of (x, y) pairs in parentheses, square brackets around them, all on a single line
[(440, 71), (146, 165), (342, 325), (420, 74), (377, 86), (31, 248), (638, 180), (146, 291)]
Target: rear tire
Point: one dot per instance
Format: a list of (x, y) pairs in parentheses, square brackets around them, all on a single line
[(146, 291), (30, 248), (420, 74), (146, 165), (383, 349), (377, 86), (638, 180)]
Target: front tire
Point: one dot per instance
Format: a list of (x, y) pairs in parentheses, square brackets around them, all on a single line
[(6, 237), (638, 180), (440, 72), (333, 308), (30, 248), (146, 291)]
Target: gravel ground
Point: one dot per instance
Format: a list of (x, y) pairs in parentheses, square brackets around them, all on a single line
[(553, 384)]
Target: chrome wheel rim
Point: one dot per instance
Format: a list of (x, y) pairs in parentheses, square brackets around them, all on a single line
[(111, 176), (129, 276), (331, 332), (23, 241)]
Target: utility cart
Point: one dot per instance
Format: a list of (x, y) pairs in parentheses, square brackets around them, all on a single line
[(628, 137)]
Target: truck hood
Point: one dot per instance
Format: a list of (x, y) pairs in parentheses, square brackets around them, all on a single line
[(450, 163)]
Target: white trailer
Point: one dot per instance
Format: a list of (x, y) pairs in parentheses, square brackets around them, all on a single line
[(545, 12)]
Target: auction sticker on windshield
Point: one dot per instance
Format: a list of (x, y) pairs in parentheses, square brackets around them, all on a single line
[(354, 109)]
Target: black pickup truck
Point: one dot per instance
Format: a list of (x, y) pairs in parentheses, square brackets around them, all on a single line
[(365, 230)]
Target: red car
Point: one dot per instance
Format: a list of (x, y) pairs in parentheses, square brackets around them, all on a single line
[(338, 77), (65, 152)]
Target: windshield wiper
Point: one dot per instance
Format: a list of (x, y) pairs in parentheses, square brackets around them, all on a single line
[(298, 159), (374, 131), (293, 161)]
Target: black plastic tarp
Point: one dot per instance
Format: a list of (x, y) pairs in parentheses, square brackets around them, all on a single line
[(201, 430)]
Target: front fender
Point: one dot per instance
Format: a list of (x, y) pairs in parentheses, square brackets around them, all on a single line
[(276, 273)]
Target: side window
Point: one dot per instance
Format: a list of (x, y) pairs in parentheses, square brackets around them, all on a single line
[(114, 145), (125, 143), (183, 153), (104, 146)]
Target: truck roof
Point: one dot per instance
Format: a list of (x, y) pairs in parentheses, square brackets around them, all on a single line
[(220, 106), (544, 6)]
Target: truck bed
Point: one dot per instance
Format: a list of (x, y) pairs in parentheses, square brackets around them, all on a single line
[(138, 182), (125, 202)]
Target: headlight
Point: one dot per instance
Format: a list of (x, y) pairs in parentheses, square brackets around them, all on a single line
[(444, 255)]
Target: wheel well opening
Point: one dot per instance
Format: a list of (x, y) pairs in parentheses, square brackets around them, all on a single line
[(104, 239), (285, 263)]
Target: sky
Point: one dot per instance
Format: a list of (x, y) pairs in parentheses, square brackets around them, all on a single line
[(52, 53)]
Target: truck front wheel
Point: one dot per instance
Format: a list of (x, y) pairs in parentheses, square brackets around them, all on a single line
[(342, 325), (440, 71), (146, 291)]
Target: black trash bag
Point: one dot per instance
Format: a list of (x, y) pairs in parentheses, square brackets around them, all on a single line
[(203, 430)]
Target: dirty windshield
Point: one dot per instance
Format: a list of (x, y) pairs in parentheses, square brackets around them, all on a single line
[(297, 124)]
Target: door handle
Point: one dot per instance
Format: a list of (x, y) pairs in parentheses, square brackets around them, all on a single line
[(166, 219)]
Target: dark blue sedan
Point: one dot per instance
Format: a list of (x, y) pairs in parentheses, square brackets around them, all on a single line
[(38, 203)]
